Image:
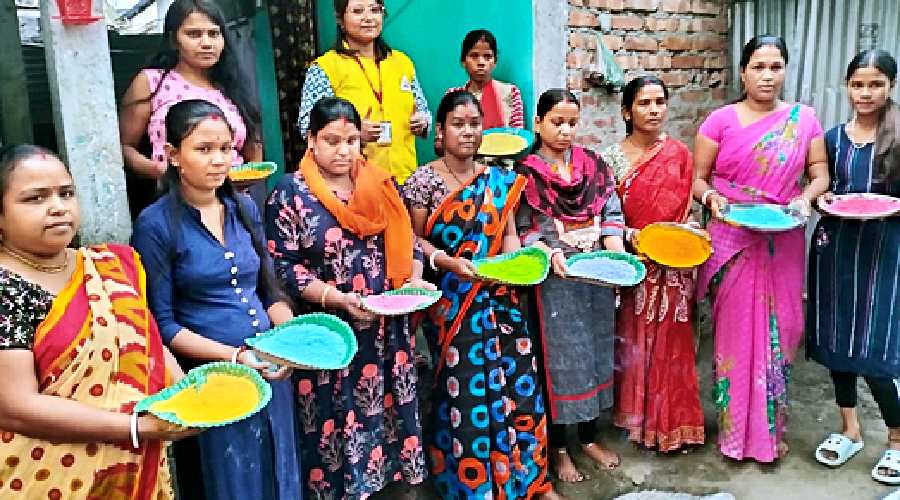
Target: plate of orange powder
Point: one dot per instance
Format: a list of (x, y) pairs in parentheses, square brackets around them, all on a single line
[(673, 245)]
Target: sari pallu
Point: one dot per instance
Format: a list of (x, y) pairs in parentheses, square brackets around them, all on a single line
[(758, 277), (657, 391), (98, 345), (489, 429)]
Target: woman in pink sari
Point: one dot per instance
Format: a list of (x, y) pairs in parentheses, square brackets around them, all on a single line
[(756, 150)]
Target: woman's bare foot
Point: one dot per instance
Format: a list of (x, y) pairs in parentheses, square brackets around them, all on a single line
[(607, 459), (782, 449), (565, 467)]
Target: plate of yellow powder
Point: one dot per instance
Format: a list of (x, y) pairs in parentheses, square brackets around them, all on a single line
[(211, 395), (253, 171), (673, 245), (505, 142)]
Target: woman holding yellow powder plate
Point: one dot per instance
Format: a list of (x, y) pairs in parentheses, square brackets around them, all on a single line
[(657, 392)]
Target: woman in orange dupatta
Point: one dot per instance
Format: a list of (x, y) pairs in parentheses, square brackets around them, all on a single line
[(78, 349), (657, 392)]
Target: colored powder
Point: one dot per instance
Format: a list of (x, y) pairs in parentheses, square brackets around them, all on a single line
[(761, 217), (249, 173), (522, 269), (398, 302), (862, 207), (673, 247), (310, 345), (615, 271), (222, 398), (502, 144)]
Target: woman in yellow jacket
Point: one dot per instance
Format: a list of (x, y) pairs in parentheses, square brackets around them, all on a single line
[(380, 81)]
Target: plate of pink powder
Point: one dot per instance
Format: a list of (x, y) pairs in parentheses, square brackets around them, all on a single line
[(862, 206), (401, 301)]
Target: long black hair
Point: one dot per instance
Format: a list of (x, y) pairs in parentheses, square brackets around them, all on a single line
[(475, 36), (630, 92), (545, 103), (331, 109), (757, 43), (225, 75), (10, 158), (181, 121), (887, 135), (382, 49)]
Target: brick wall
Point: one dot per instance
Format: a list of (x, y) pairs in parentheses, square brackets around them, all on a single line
[(684, 42)]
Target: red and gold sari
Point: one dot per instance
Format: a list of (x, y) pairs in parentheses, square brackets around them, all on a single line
[(98, 345), (657, 392)]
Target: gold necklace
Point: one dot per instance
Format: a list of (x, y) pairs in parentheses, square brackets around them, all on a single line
[(450, 171), (44, 268)]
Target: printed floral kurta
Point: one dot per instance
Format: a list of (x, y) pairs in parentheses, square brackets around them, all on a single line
[(359, 427)]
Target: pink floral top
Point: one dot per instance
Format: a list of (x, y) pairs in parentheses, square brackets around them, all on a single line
[(174, 89)]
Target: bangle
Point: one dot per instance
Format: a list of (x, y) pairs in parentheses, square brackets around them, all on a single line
[(237, 352), (135, 442), (433, 255), (705, 195), (325, 295), (554, 252)]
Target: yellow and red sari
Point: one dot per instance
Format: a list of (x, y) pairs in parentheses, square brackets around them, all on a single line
[(98, 345)]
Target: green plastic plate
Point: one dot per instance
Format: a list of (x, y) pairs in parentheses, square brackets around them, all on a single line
[(526, 266), (254, 171), (517, 152), (195, 379), (272, 346)]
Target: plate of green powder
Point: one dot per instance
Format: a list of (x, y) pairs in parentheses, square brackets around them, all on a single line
[(763, 217), (524, 267)]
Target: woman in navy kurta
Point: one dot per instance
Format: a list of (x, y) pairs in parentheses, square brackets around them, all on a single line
[(853, 318), (207, 289)]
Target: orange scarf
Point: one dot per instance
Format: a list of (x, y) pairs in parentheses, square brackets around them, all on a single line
[(374, 208)]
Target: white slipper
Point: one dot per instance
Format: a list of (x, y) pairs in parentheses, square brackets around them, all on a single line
[(893, 496), (890, 460), (840, 445)]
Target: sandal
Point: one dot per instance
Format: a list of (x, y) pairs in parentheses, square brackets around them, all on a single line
[(842, 446), (890, 461)]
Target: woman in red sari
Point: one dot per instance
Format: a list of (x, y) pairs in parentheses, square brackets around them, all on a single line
[(78, 349), (657, 393)]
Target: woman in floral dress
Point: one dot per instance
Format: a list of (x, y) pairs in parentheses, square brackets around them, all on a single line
[(338, 229)]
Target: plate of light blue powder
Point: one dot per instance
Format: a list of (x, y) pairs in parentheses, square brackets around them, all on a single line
[(763, 217), (606, 268), (310, 341)]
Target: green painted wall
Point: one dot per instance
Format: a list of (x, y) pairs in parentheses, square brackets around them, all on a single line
[(431, 33)]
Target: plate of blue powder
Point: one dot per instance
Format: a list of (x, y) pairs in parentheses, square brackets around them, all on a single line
[(310, 341), (763, 217), (606, 268)]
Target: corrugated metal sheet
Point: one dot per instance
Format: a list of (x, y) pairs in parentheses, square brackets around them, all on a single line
[(822, 37)]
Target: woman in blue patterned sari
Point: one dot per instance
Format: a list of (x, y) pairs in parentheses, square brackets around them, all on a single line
[(489, 435)]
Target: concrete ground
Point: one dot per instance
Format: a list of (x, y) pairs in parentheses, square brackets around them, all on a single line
[(704, 471)]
